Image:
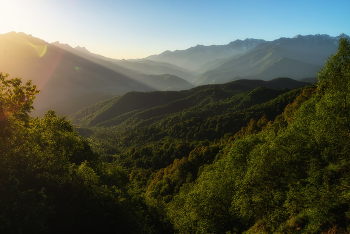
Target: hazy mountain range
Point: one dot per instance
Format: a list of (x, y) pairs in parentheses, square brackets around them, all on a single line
[(297, 57), (141, 66), (66, 76), (62, 74), (194, 57)]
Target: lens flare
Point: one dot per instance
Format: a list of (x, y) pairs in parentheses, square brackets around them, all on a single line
[(51, 69), (40, 49), (79, 69)]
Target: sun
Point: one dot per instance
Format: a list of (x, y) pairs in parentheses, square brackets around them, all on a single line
[(11, 15), (19, 15)]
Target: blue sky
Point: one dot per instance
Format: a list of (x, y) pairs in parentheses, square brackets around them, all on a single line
[(138, 28)]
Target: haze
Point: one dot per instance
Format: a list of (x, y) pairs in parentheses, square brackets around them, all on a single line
[(136, 29)]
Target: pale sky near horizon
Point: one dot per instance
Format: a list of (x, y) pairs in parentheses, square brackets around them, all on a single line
[(125, 29)]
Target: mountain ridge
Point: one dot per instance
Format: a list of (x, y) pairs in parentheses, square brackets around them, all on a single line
[(179, 57), (117, 110), (61, 74), (297, 58)]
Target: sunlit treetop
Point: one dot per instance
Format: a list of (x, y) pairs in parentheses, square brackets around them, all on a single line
[(15, 98)]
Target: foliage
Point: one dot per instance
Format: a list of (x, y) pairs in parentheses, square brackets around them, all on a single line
[(51, 181), (290, 178), (15, 98)]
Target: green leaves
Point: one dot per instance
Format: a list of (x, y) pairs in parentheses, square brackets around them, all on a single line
[(290, 178), (15, 98), (50, 179), (335, 75)]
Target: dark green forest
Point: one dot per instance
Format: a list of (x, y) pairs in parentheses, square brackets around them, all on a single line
[(241, 157)]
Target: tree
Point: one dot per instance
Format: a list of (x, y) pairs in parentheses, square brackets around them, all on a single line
[(335, 74), (50, 179), (335, 78), (15, 98)]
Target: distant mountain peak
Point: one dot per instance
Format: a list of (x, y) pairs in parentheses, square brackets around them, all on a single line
[(245, 45), (20, 36), (343, 35), (70, 48), (319, 36), (311, 39), (246, 40), (312, 36), (82, 49), (61, 45)]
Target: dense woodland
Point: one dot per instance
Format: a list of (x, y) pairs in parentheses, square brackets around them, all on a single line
[(228, 158)]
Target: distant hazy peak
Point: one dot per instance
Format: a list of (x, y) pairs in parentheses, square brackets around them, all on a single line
[(68, 47), (250, 43), (19, 36), (82, 49), (320, 37), (247, 40), (317, 39), (237, 45), (61, 45), (247, 44), (166, 52), (343, 35)]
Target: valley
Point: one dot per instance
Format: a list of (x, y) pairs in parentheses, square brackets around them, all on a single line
[(248, 137)]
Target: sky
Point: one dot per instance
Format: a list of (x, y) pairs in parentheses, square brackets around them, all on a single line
[(130, 29)]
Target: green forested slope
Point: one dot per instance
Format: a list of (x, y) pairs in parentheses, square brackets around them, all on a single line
[(203, 113), (160, 103), (291, 179)]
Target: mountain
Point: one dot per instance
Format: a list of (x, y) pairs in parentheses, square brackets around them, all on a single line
[(312, 80), (211, 65), (166, 82), (140, 66), (61, 74), (297, 58), (150, 106), (312, 49), (140, 69), (194, 57), (278, 83), (71, 105), (150, 67)]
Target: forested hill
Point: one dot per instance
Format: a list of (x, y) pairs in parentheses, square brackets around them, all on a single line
[(142, 122), (136, 106)]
